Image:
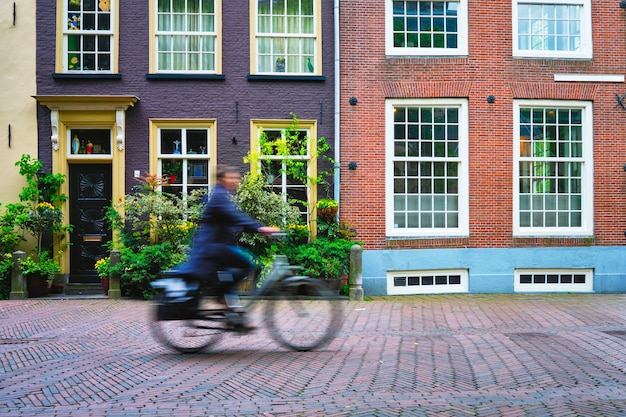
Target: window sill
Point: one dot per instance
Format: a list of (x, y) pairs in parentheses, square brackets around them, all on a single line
[(90, 76), (217, 77), (255, 77)]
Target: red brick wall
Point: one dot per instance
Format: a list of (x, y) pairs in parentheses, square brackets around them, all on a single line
[(489, 69)]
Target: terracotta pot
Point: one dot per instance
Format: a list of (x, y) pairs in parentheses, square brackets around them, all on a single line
[(105, 285)]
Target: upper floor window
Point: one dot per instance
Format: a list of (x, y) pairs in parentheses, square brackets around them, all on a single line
[(287, 37), (89, 36), (554, 29), (426, 27), (427, 168), (187, 36), (553, 173)]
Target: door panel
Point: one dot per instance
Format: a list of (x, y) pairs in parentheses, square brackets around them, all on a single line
[(90, 195)]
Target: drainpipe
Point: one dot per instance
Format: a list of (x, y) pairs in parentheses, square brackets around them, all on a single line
[(337, 102)]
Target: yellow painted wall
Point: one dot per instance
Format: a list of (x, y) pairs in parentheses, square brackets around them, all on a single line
[(17, 86)]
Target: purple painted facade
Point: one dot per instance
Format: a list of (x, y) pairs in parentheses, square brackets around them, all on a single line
[(176, 98)]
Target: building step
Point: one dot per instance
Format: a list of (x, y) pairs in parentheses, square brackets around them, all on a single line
[(83, 289)]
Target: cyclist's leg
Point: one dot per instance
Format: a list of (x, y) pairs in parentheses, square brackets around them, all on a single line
[(242, 266)]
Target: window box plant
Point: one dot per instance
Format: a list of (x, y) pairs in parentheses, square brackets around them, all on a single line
[(327, 208)]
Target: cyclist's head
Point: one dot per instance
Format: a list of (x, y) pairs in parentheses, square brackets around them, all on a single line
[(229, 176)]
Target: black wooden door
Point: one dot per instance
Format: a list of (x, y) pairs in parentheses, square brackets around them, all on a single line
[(90, 195)]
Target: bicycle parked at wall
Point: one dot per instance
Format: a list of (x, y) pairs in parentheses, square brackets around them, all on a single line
[(302, 313)]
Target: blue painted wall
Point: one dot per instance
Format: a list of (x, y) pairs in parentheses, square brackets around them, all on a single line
[(492, 270)]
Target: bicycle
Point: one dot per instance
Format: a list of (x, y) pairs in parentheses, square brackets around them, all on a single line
[(301, 312)]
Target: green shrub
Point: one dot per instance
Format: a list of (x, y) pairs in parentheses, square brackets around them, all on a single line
[(154, 234), (268, 208), (326, 258), (6, 267), (139, 266)]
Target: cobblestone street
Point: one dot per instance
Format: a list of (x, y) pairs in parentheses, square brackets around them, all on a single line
[(452, 355)]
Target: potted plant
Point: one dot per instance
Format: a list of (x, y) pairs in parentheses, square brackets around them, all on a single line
[(39, 269), (327, 208), (103, 267), (38, 216)]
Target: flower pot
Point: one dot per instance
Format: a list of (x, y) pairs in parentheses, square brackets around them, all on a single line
[(37, 285), (57, 288), (105, 285), (327, 213)]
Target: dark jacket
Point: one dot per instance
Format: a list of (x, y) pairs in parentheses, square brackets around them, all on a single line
[(220, 222)]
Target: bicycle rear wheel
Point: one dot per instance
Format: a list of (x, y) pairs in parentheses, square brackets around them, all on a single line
[(302, 313), (183, 335)]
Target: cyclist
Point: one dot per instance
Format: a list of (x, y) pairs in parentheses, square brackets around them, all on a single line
[(215, 244)]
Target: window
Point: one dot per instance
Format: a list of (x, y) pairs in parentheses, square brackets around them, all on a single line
[(184, 155), (554, 29), (554, 169), (88, 36), (427, 168), (283, 150), (553, 280), (187, 36), (287, 37), (427, 282), (426, 27), (89, 143)]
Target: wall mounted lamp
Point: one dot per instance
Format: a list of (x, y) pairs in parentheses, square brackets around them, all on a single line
[(491, 99), (353, 100), (622, 4), (234, 140), (352, 166)]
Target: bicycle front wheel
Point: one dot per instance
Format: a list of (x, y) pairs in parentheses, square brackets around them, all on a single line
[(302, 313)]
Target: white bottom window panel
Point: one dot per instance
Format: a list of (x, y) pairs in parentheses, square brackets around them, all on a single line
[(553, 280), (427, 282)]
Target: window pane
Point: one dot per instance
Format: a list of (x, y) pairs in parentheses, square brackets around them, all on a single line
[(554, 27), (184, 159), (436, 26), (286, 31), (550, 183), (431, 185), (186, 38)]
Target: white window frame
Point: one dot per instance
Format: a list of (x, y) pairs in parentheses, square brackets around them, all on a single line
[(586, 47), (586, 228), (315, 60), (462, 287), (158, 156), (64, 64), (463, 169), (259, 126), (462, 37), (216, 33), (587, 286)]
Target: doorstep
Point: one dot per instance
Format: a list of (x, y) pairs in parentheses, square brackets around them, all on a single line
[(83, 290)]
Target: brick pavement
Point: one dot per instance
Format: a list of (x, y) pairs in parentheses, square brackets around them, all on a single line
[(452, 355)]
